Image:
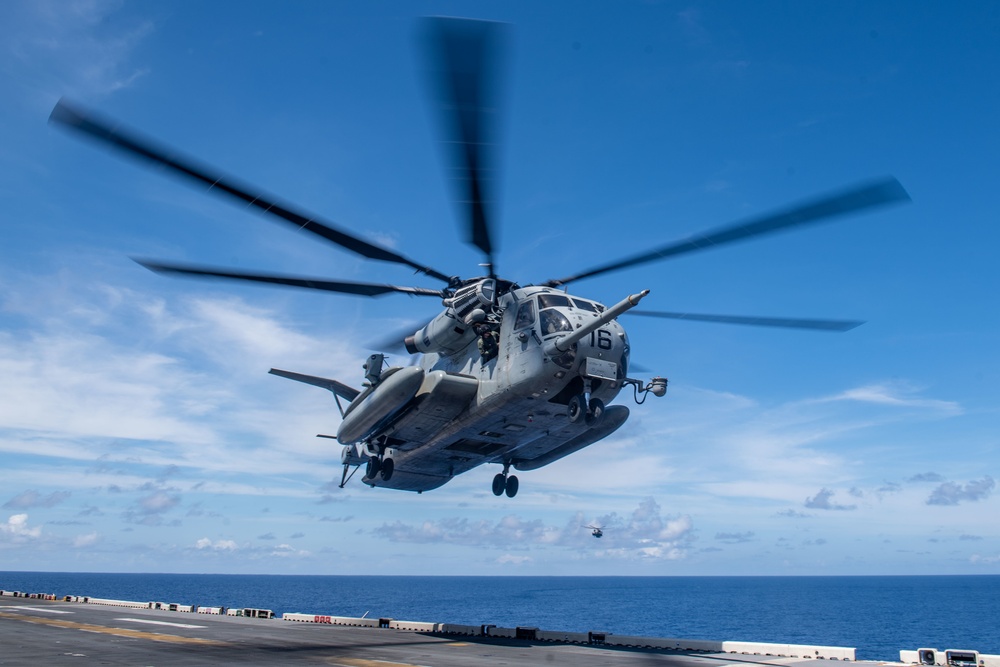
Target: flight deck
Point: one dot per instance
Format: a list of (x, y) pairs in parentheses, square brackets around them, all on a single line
[(75, 630)]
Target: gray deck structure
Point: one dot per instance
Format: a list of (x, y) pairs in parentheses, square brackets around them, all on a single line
[(87, 631)]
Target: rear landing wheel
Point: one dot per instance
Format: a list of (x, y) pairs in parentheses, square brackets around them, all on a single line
[(387, 468), (499, 484), (576, 410), (374, 465)]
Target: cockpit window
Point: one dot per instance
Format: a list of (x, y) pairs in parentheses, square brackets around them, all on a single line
[(525, 315), (585, 305), (552, 301), (552, 321)]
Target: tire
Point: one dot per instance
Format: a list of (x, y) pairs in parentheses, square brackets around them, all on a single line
[(511, 486), (596, 413), (576, 410), (387, 469), (499, 484), (373, 467)]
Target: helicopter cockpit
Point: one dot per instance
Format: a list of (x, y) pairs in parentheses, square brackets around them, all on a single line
[(551, 319)]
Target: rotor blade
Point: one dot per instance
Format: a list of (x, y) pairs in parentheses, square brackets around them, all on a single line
[(344, 287), (396, 340), (781, 322), (465, 53), (111, 133), (858, 198)]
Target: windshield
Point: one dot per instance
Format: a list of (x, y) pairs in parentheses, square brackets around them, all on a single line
[(553, 301), (552, 321)]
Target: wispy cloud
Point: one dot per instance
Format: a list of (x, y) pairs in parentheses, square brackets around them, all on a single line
[(823, 501), (81, 48), (30, 499), (646, 533), (953, 493), (896, 396), (735, 538), (926, 477)]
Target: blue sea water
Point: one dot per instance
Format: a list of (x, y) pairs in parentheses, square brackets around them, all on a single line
[(878, 615)]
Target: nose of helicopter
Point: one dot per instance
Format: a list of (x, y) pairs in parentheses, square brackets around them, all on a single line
[(604, 353)]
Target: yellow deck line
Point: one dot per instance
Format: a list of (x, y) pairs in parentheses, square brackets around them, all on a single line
[(361, 662), (120, 632)]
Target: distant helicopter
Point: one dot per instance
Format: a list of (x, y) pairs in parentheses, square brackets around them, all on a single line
[(512, 375), (596, 531)]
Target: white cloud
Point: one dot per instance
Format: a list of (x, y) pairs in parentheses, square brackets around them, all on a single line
[(17, 528), (900, 396), (644, 534), (979, 559), (83, 541), (288, 551), (510, 559), (219, 545)]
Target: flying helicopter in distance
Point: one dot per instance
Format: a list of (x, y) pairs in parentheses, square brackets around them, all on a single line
[(596, 531), (519, 376)]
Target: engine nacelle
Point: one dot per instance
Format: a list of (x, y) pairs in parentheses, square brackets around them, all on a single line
[(452, 330), (445, 333), (468, 298)]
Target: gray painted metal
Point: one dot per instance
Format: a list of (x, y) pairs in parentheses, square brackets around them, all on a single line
[(66, 633)]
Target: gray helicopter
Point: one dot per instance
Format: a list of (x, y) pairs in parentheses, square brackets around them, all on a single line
[(516, 376)]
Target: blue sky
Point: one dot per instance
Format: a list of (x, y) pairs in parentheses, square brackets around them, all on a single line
[(140, 431)]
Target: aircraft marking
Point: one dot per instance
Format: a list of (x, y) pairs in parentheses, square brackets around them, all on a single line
[(42, 609), (362, 662), (176, 625), (120, 632)]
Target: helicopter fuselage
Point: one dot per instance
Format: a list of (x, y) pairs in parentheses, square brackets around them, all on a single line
[(510, 404)]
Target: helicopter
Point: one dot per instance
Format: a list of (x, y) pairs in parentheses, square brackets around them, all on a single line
[(519, 376), (596, 531)]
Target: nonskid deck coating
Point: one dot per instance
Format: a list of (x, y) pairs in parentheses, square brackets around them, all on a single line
[(30, 633)]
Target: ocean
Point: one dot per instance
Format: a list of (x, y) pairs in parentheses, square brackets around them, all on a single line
[(878, 615)]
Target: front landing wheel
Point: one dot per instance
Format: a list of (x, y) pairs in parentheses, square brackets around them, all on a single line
[(596, 412), (499, 484), (511, 486)]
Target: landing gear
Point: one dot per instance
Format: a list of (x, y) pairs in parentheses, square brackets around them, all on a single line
[(383, 467), (387, 468), (580, 409), (595, 413), (504, 483)]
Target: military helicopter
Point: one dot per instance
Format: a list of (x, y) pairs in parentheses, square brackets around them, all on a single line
[(516, 376), (596, 531)]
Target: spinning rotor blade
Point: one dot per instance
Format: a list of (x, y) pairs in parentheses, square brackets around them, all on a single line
[(112, 134), (344, 287), (464, 51), (858, 198), (396, 341), (781, 322)]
